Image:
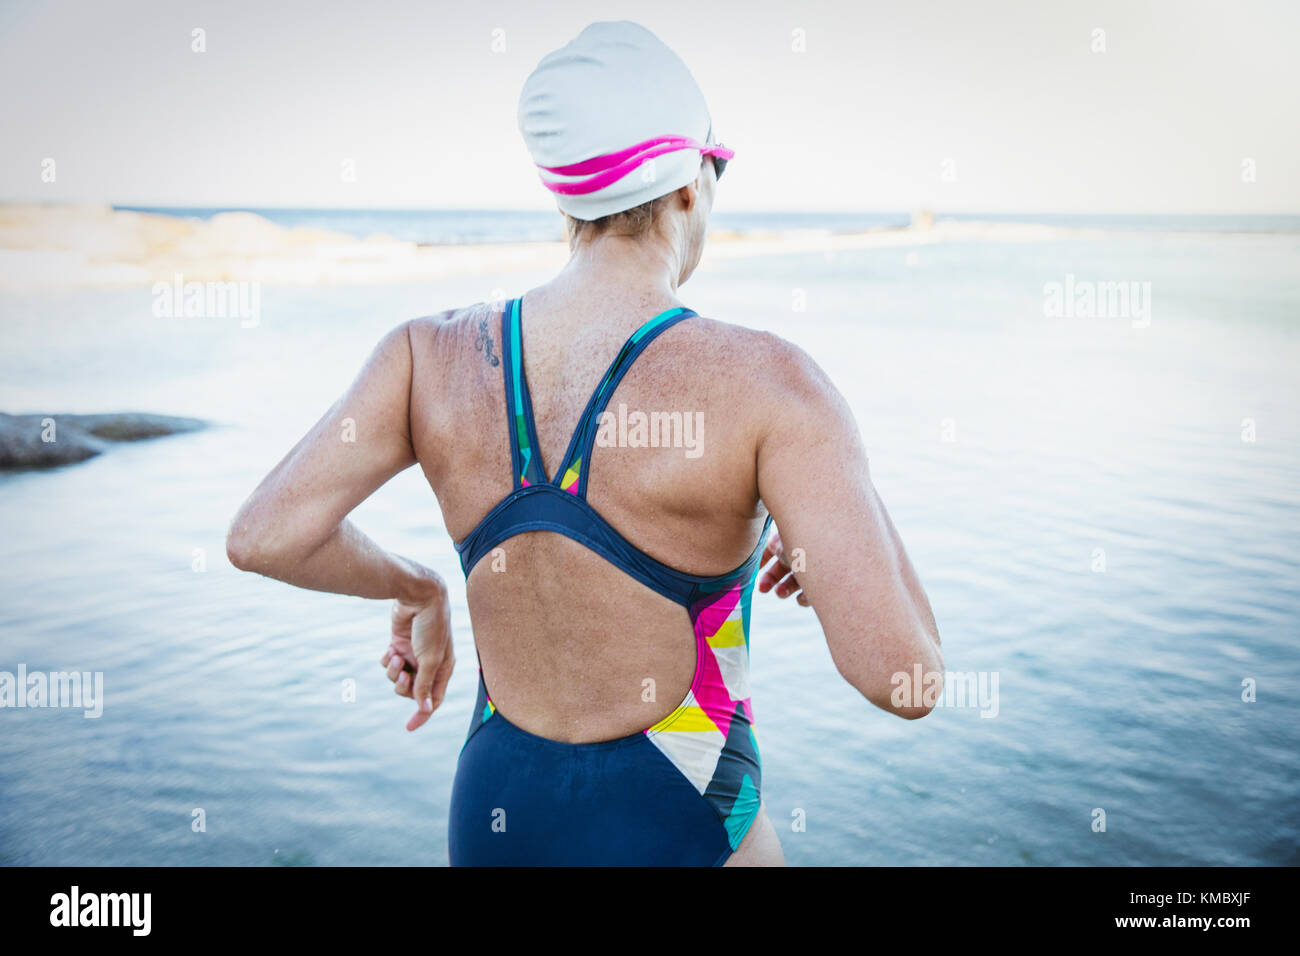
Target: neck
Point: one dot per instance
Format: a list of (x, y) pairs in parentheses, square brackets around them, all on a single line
[(649, 266)]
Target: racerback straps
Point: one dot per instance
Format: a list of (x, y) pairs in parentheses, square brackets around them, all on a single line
[(572, 474)]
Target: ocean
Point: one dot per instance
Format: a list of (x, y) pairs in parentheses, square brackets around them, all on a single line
[(456, 226), (1102, 506)]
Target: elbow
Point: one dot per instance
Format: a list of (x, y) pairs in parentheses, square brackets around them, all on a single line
[(910, 686), (914, 712), (240, 547), (266, 546), (924, 682), (246, 546), (914, 704)]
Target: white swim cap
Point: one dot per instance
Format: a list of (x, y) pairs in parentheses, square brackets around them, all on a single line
[(614, 119)]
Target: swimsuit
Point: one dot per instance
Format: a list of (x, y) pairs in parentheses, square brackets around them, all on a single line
[(682, 792)]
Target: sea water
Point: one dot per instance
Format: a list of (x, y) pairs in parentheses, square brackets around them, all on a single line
[(1103, 510)]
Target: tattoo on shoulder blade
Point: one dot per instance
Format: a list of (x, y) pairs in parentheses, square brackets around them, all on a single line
[(483, 343)]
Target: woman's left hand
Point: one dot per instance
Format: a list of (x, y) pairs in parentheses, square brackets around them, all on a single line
[(780, 575)]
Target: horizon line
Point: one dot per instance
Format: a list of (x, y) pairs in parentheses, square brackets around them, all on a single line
[(252, 207)]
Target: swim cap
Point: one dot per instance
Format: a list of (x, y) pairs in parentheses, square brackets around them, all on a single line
[(614, 119)]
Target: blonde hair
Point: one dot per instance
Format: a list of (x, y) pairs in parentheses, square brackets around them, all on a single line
[(633, 223)]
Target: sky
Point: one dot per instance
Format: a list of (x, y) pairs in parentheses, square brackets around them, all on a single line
[(1002, 106)]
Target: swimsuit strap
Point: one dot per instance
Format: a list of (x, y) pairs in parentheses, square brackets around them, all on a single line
[(571, 475), (525, 450), (536, 503)]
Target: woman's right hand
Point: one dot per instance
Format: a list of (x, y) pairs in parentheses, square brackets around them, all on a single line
[(420, 657)]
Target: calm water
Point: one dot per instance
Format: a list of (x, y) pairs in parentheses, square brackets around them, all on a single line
[(1009, 446), (449, 226)]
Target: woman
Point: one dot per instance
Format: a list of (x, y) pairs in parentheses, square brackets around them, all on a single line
[(609, 573)]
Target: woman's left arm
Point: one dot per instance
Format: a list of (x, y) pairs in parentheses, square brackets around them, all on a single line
[(294, 526)]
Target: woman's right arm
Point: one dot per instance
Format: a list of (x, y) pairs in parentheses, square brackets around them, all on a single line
[(813, 478)]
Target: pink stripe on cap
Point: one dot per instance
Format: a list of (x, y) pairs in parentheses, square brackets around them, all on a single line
[(611, 167)]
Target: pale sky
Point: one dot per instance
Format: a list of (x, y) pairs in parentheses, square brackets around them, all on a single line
[(999, 106)]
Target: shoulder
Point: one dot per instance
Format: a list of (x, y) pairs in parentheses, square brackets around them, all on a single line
[(413, 342), (446, 339), (767, 362), (788, 397), (455, 361), (442, 327)]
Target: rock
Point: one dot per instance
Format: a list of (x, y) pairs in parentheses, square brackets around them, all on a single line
[(75, 438), (132, 426)]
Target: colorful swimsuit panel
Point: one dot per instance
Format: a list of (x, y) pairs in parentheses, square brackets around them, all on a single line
[(683, 792)]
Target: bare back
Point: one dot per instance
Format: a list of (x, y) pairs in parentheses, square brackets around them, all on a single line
[(567, 640)]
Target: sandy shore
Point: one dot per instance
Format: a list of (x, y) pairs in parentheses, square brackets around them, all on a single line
[(98, 245)]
